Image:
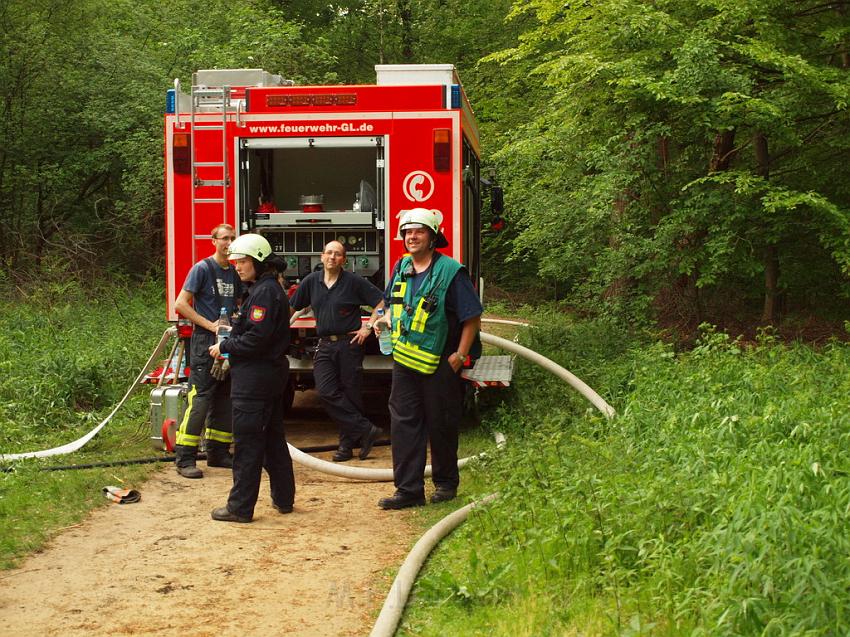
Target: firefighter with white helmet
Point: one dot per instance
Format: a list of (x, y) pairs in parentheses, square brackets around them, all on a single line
[(257, 349), (435, 316), (211, 284), (423, 217)]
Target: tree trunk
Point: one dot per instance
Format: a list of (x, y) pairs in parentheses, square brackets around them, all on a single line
[(662, 149), (38, 237), (770, 311), (405, 14), (724, 151), (722, 154), (841, 10), (381, 34), (619, 286)]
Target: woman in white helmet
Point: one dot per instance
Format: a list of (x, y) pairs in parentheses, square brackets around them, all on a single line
[(257, 349), (436, 316)]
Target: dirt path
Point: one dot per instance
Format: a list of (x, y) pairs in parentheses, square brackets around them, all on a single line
[(163, 567)]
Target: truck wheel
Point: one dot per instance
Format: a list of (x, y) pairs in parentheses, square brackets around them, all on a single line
[(471, 413)]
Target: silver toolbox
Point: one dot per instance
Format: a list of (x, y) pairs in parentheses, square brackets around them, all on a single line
[(168, 404)]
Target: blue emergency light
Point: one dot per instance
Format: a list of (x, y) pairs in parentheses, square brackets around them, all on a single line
[(455, 95), (171, 101)]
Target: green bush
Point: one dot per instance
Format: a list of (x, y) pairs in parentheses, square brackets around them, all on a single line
[(69, 354), (716, 502)]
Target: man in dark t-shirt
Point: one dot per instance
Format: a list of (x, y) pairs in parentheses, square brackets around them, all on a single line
[(211, 284), (336, 296)]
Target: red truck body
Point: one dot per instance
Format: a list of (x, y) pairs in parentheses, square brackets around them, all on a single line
[(306, 164)]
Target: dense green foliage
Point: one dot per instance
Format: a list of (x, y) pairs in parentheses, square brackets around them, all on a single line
[(674, 159), (685, 152), (716, 502), (83, 86), (68, 356), (689, 159)]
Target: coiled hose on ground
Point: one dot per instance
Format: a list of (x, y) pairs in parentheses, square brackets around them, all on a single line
[(385, 475)]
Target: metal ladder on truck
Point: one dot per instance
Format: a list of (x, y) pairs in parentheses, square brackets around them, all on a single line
[(209, 136)]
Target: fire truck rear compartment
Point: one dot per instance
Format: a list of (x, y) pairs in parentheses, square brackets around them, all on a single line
[(339, 173)]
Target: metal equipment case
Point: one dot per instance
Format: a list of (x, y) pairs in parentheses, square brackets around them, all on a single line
[(168, 404)]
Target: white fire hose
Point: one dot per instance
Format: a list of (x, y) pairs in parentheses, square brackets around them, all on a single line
[(360, 473), (551, 366), (386, 475), (393, 607)]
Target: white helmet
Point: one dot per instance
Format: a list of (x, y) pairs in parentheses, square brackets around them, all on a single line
[(423, 218), (249, 245)]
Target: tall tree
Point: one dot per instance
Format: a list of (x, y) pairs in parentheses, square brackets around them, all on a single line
[(83, 84), (705, 79)]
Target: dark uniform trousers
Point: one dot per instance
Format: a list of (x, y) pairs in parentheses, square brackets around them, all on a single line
[(338, 372), (209, 399), (425, 407), (260, 443)]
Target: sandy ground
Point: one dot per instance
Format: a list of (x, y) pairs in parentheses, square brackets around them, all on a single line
[(163, 567)]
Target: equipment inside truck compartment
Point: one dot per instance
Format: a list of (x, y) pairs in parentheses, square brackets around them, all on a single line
[(333, 172), (335, 177)]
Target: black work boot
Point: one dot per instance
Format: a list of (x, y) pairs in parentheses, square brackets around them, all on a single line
[(343, 454), (443, 494), (368, 441), (223, 514), (185, 460), (218, 455), (400, 500)]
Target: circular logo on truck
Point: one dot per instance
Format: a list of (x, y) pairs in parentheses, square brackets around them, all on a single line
[(418, 186)]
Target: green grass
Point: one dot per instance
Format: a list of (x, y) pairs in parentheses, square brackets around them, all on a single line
[(68, 355), (717, 501)]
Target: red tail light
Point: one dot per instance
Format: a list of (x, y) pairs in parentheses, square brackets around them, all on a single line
[(180, 154), (442, 149)]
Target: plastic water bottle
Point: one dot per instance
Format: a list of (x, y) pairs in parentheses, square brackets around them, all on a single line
[(224, 328), (385, 340)]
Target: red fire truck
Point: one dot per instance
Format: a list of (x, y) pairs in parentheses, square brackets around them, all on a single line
[(304, 165)]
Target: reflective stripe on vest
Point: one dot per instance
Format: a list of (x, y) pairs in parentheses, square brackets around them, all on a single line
[(397, 307), (419, 325), (420, 316), (414, 357)]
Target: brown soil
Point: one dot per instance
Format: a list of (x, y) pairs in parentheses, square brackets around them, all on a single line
[(163, 567)]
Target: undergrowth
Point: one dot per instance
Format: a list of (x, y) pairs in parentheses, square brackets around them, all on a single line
[(715, 503), (68, 353)]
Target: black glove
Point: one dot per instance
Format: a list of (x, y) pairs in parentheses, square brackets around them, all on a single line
[(220, 369)]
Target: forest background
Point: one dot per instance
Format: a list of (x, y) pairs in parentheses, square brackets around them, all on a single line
[(666, 164), (672, 162)]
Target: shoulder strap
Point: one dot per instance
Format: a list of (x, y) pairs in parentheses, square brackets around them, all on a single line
[(397, 267), (211, 270), (237, 283), (443, 270)]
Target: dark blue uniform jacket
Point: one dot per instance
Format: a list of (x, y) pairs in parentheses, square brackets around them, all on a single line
[(259, 341)]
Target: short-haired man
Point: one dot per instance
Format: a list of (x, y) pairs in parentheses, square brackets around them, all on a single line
[(336, 296), (436, 317), (211, 284)]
